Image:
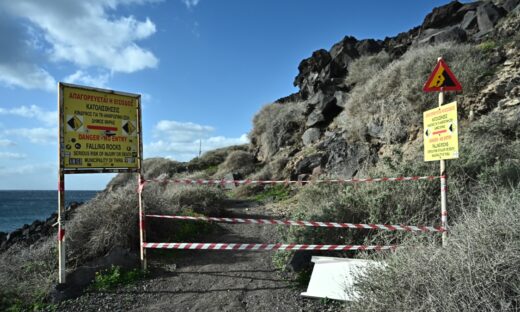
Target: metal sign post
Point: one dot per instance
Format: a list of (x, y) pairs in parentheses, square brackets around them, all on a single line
[(444, 189), (99, 132), (441, 133)]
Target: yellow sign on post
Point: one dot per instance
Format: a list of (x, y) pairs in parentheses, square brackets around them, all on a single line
[(100, 129), (441, 139)]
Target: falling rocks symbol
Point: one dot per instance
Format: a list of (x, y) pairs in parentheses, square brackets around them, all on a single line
[(128, 127), (75, 123)]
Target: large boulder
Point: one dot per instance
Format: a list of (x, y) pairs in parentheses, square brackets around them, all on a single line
[(449, 34), (345, 159), (443, 16), (311, 136), (488, 15)]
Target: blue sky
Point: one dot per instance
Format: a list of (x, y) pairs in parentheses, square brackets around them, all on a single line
[(203, 67)]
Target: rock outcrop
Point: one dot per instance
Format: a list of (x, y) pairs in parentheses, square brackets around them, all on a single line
[(324, 88), (30, 234)]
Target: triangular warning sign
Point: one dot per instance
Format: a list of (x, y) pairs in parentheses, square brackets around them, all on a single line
[(442, 79)]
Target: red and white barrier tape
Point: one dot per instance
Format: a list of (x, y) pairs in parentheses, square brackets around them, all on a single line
[(257, 247), (388, 227), (286, 182)]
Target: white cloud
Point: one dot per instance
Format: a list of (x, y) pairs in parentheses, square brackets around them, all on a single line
[(35, 135), (81, 77), (50, 118), (181, 140), (25, 75), (5, 142), (190, 3), (8, 155), (87, 33), (27, 169)]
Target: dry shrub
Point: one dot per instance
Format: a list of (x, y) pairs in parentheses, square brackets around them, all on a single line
[(490, 149), (477, 271), (277, 126), (214, 158), (27, 274), (175, 199), (107, 221), (238, 162), (364, 68), (389, 103), (152, 168)]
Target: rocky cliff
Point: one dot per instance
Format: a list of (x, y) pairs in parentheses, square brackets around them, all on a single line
[(362, 100)]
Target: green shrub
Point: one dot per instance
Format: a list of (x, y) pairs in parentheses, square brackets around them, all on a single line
[(477, 271), (115, 276), (274, 193)]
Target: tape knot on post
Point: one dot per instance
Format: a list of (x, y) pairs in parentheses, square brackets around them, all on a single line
[(61, 234), (142, 183)]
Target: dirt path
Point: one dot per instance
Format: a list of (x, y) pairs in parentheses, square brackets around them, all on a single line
[(211, 280)]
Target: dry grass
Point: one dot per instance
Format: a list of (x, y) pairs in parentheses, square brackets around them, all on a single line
[(392, 102), (237, 162), (477, 271), (277, 126), (364, 68)]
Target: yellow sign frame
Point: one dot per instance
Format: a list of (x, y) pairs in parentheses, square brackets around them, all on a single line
[(99, 130), (440, 133)]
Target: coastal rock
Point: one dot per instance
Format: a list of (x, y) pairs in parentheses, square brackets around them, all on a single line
[(30, 234)]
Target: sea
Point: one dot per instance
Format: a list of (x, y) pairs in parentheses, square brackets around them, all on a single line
[(24, 207)]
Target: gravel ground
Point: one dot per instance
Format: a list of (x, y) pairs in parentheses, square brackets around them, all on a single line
[(211, 280)]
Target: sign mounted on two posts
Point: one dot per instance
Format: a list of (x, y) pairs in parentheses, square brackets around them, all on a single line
[(99, 130)]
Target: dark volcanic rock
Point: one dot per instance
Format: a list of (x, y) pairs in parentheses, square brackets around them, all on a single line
[(443, 16), (345, 159), (310, 68), (369, 46), (510, 5), (306, 165), (435, 36), (469, 21), (488, 15)]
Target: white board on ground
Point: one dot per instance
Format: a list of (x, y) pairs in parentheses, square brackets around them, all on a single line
[(334, 278)]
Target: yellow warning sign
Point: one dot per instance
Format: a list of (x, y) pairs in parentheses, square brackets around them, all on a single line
[(99, 129), (441, 135)]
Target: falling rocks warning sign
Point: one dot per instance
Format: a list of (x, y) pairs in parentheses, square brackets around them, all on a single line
[(99, 129), (441, 139), (442, 79)]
